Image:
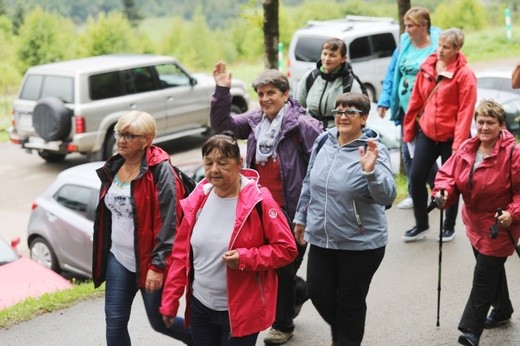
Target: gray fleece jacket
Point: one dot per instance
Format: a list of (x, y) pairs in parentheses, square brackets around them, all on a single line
[(341, 206)]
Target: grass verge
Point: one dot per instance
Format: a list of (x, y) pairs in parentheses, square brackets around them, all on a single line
[(49, 302)]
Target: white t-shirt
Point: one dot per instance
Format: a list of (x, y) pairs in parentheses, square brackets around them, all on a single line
[(209, 241), (118, 201)]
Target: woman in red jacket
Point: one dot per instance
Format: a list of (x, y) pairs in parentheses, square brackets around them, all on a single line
[(486, 171), (135, 224), (439, 120), (232, 237)]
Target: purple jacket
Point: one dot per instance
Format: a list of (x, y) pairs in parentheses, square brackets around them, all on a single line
[(297, 137)]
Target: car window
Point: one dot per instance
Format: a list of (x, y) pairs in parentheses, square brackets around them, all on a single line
[(105, 85), (308, 49), (383, 44), (170, 75), (39, 86), (75, 198), (7, 255), (31, 88), (360, 49), (144, 79)]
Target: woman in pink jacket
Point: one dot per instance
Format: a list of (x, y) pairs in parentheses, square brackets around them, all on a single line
[(439, 120), (231, 240), (486, 171)]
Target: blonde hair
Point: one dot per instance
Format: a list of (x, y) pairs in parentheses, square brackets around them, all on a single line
[(455, 36), (419, 16), (491, 108), (139, 123)]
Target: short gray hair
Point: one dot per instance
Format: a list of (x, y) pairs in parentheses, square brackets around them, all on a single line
[(455, 36), (272, 77)]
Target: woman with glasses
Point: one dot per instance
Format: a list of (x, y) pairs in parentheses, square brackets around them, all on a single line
[(341, 214), (136, 220)]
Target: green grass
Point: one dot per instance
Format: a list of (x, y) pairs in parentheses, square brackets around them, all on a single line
[(49, 302)]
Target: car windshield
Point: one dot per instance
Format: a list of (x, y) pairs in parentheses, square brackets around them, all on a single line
[(7, 254)]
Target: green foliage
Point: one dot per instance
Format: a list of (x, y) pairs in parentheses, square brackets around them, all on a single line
[(111, 33), (44, 38), (463, 14), (49, 302), (491, 44)]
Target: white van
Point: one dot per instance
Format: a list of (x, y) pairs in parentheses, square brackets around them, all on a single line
[(370, 44)]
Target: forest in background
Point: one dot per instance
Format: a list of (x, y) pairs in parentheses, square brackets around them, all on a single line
[(35, 32)]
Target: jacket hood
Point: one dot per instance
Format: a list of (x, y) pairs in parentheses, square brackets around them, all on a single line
[(365, 136), (456, 64), (505, 140), (246, 172), (344, 69)]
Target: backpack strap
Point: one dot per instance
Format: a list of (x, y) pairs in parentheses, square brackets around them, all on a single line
[(348, 80), (311, 78)]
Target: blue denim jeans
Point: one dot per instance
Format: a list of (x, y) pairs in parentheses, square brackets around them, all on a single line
[(212, 328), (120, 290)]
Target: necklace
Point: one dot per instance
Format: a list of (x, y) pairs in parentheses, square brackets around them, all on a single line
[(122, 182)]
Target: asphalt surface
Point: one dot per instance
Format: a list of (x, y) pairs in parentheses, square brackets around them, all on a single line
[(402, 302)]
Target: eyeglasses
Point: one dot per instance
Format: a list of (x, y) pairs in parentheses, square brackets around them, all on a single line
[(349, 113), (126, 136)]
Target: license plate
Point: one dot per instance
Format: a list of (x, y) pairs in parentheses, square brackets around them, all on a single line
[(25, 120)]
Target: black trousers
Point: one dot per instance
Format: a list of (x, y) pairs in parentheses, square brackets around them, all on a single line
[(426, 153), (285, 300), (338, 283), (489, 289)]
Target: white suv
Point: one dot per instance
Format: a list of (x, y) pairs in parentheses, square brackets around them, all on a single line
[(370, 44), (72, 106)]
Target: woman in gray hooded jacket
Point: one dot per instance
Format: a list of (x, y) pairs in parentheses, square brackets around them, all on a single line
[(341, 214)]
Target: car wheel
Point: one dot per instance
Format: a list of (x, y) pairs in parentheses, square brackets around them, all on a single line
[(235, 109), (110, 146), (43, 253), (52, 121), (51, 157)]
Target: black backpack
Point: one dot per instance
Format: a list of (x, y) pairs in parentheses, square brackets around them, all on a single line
[(188, 183)]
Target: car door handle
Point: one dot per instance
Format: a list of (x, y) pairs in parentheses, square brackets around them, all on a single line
[(133, 106), (170, 98)]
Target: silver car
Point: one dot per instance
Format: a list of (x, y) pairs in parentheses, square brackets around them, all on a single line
[(60, 228)]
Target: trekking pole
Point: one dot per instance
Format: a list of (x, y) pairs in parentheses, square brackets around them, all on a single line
[(440, 263), (515, 245)]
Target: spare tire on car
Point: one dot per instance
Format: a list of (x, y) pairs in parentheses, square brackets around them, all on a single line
[(52, 121)]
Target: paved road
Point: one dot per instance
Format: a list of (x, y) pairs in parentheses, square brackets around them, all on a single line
[(401, 304)]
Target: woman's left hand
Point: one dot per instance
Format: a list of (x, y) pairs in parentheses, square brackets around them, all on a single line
[(368, 157), (505, 220), (154, 281), (232, 258)]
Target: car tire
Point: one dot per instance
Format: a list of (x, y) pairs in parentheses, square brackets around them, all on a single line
[(43, 253), (50, 156), (52, 121)]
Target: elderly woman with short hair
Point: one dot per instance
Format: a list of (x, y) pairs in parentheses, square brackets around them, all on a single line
[(279, 139), (341, 214), (485, 170)]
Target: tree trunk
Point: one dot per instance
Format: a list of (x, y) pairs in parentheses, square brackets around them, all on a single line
[(271, 33), (402, 7)]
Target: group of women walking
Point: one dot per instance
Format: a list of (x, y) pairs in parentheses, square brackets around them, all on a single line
[(232, 248)]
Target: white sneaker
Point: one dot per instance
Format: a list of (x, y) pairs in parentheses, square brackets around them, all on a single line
[(406, 203)]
